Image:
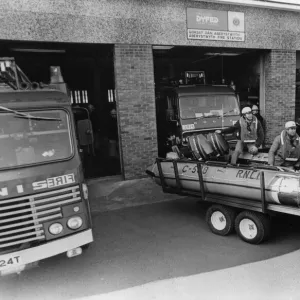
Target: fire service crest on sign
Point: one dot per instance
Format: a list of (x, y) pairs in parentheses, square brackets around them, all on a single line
[(205, 24)]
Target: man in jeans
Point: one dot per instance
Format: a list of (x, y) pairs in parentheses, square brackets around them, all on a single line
[(250, 134)]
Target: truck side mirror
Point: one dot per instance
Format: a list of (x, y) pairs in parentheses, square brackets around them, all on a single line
[(85, 132)]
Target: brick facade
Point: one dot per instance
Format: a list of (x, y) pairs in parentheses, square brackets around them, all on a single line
[(134, 78), (280, 77)]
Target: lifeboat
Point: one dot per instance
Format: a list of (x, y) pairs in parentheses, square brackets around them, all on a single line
[(281, 185), (251, 186)]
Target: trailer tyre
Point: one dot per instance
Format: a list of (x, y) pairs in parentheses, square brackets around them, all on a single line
[(252, 227), (220, 219)]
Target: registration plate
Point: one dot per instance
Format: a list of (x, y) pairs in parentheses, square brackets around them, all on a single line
[(188, 126), (10, 261)]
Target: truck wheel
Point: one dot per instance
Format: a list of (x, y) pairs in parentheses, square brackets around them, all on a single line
[(220, 219), (85, 247), (252, 227)]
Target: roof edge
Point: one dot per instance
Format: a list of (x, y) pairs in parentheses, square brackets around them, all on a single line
[(288, 5)]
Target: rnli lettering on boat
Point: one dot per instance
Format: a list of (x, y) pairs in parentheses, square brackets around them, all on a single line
[(248, 174), (44, 184)]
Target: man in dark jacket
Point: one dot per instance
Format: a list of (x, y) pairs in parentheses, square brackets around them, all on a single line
[(249, 133), (256, 113), (287, 147)]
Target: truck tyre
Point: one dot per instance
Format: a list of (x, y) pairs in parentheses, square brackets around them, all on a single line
[(252, 227), (220, 219), (85, 247)]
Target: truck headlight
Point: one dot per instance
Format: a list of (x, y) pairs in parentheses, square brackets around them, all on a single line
[(55, 228), (85, 191), (74, 222)]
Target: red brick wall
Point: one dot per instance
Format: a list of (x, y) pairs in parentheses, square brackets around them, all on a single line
[(280, 77), (134, 80)]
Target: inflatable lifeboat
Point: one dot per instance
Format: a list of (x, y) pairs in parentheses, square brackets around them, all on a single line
[(281, 185), (244, 196)]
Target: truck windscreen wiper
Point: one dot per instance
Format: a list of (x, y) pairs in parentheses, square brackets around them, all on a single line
[(227, 113), (28, 116), (206, 117)]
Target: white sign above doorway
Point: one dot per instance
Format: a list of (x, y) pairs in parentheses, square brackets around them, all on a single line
[(207, 24)]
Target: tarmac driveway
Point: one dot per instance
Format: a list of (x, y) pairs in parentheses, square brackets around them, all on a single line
[(142, 244)]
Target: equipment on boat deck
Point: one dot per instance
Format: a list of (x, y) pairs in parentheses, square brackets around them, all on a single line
[(216, 148)]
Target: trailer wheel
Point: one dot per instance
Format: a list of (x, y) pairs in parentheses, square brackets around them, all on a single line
[(252, 227), (220, 219)]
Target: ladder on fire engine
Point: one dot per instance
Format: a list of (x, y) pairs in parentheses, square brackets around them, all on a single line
[(11, 75)]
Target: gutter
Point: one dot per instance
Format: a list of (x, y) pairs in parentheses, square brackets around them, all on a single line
[(289, 5)]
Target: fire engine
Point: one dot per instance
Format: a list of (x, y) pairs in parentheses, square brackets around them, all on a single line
[(44, 205)]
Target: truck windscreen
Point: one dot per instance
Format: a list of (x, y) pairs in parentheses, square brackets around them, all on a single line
[(193, 107), (26, 140)]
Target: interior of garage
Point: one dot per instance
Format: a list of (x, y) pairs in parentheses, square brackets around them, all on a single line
[(87, 69), (235, 67), (221, 66)]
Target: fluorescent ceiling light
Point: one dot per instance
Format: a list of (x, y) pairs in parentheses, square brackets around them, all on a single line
[(222, 54), (39, 50), (162, 47)]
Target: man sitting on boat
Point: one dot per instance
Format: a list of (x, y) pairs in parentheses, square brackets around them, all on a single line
[(287, 147), (250, 134)]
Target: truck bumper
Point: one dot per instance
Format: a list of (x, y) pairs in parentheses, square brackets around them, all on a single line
[(16, 262)]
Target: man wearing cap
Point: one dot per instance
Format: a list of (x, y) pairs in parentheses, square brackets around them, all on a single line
[(287, 147), (249, 133)]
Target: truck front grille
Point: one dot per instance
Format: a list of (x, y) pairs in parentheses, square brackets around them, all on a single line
[(22, 218)]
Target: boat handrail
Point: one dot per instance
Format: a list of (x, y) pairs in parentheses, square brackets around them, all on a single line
[(258, 167), (203, 194)]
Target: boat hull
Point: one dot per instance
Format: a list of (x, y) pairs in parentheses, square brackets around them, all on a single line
[(242, 182)]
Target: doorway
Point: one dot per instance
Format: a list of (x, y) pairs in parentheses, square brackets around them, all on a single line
[(237, 68), (88, 71)]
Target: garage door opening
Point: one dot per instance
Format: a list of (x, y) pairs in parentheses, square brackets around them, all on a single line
[(88, 72), (239, 69)]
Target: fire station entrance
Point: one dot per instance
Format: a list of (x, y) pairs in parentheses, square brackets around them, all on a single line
[(240, 69), (88, 72)]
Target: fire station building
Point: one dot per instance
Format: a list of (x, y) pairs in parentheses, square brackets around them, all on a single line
[(116, 53)]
